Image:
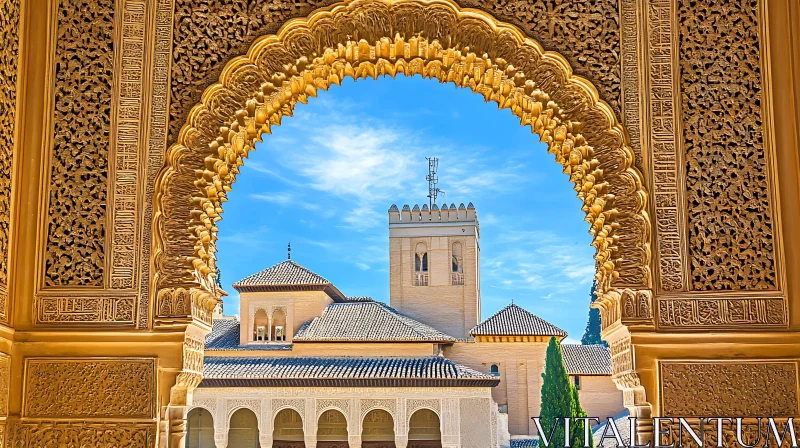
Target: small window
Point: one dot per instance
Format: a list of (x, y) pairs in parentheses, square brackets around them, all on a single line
[(456, 258), (577, 381), (261, 333), (421, 258), (495, 371), (279, 336)]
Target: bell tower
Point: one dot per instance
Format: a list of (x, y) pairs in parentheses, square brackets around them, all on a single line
[(434, 266)]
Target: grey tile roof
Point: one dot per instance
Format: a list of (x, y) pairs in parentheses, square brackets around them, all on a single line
[(366, 321), (225, 336), (524, 443), (286, 272), (582, 359), (516, 321), (623, 426), (342, 371), (359, 299)]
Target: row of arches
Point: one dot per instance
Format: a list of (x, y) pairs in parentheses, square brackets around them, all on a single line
[(421, 264), (378, 430)]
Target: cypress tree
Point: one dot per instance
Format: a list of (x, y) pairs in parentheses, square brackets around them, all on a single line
[(557, 396), (592, 333), (577, 433)]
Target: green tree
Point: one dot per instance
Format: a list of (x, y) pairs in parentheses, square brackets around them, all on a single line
[(559, 399), (557, 395), (592, 333), (577, 434)]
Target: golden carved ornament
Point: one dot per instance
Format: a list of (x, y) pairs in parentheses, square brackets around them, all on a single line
[(437, 40), (89, 388)]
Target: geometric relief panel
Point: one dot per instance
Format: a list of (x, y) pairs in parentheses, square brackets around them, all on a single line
[(79, 310), (83, 70), (740, 388), (717, 313), (89, 387), (82, 434), (731, 225), (9, 53)]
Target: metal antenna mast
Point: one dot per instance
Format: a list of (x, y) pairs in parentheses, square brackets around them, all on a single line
[(433, 179)]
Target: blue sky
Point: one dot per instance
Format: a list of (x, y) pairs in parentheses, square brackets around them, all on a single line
[(326, 177)]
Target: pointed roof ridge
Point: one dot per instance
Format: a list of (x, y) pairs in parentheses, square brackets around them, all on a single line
[(513, 320), (288, 274)]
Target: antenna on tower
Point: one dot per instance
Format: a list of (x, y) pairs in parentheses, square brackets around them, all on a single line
[(433, 179)]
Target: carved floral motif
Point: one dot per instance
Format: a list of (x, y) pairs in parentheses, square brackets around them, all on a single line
[(75, 252), (731, 226), (89, 388), (744, 389), (9, 29)]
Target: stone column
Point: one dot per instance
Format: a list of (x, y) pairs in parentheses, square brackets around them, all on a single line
[(176, 416), (401, 441), (354, 441), (311, 441), (221, 440), (265, 440)]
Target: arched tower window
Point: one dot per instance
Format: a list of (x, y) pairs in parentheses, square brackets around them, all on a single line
[(421, 265), (457, 266), (279, 325), (494, 370), (261, 326)]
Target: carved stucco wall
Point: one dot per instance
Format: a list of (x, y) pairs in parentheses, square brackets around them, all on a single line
[(9, 28), (103, 402), (731, 226), (84, 76)]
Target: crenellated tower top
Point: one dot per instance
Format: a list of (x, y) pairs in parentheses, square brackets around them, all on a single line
[(417, 215)]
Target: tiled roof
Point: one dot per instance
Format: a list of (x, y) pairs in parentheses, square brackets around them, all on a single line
[(524, 443), (225, 336), (582, 359), (515, 321), (366, 321), (288, 276), (623, 426), (340, 371), (286, 272), (359, 299)]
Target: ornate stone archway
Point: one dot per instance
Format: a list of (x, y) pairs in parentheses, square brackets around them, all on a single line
[(437, 40), (109, 190)]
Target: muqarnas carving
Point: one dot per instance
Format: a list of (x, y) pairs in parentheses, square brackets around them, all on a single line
[(586, 32), (84, 54), (731, 226)]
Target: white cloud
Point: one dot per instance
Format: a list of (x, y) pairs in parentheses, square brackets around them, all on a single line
[(362, 266)]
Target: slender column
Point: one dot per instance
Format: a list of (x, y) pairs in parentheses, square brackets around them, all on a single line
[(265, 440), (177, 426), (401, 441), (221, 440), (354, 441), (311, 441)]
